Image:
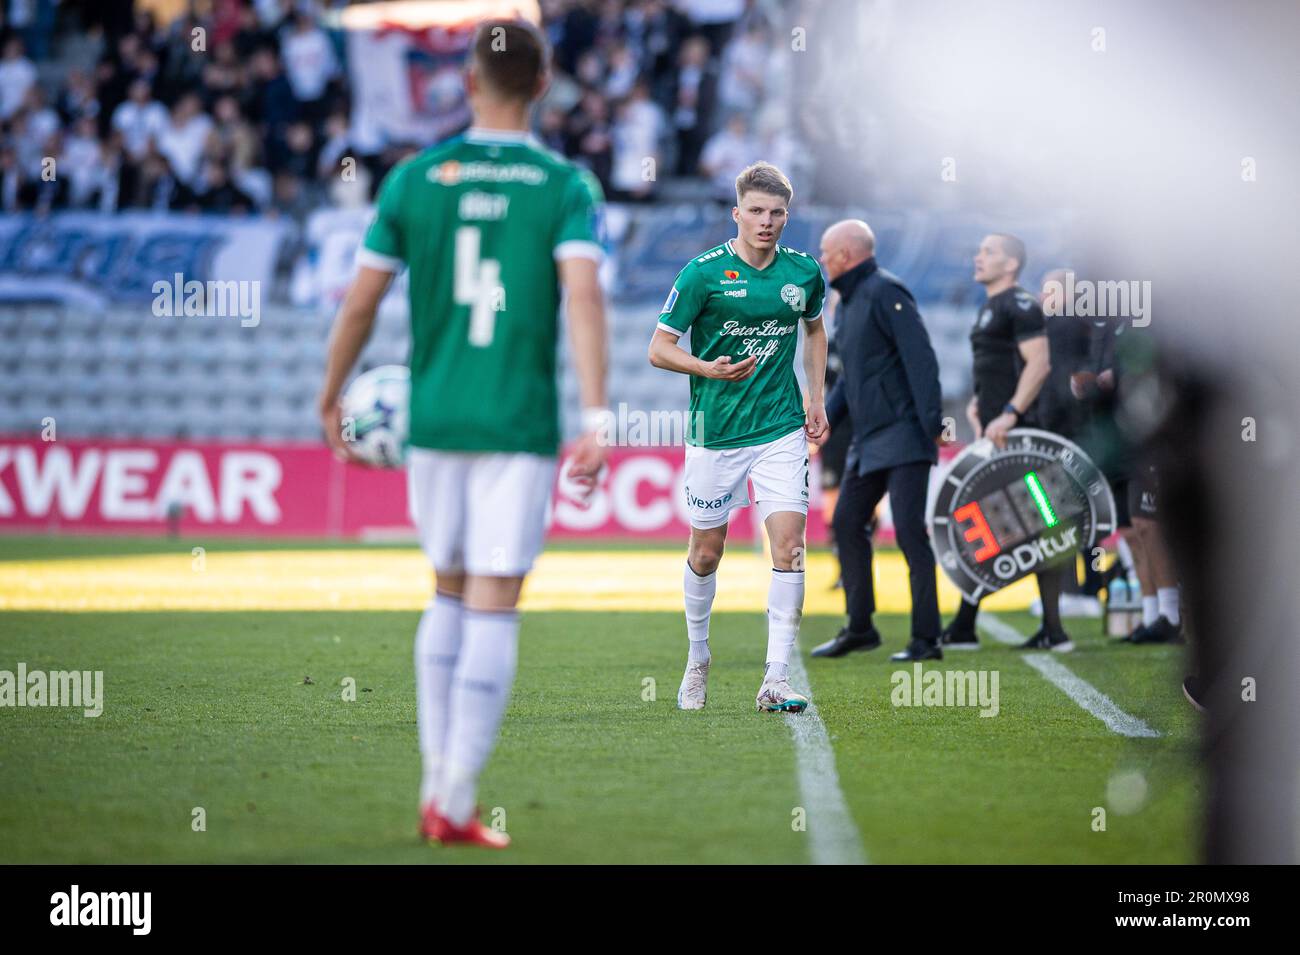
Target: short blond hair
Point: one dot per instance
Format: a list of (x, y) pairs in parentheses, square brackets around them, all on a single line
[(763, 177)]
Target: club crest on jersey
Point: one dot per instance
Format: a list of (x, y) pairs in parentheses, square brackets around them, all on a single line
[(793, 296), (985, 315)]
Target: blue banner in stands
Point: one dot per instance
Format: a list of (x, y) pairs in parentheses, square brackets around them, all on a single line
[(95, 259)]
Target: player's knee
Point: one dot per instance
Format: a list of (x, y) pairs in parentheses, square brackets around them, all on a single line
[(788, 552), (705, 555), (449, 584)]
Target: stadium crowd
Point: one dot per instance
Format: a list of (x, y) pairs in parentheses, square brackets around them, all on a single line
[(107, 107)]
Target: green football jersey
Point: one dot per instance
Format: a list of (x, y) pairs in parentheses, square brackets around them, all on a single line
[(481, 221), (732, 308)]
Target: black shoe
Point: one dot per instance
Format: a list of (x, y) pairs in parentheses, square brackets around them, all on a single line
[(1056, 640), (1162, 631), (847, 641), (958, 638), (918, 650), (1136, 636), (1193, 691)]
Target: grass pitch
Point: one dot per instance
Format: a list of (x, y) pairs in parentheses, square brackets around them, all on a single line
[(241, 714)]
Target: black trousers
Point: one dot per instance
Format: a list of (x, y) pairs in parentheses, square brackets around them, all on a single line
[(859, 494)]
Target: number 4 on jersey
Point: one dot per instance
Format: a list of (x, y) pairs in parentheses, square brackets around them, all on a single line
[(478, 285)]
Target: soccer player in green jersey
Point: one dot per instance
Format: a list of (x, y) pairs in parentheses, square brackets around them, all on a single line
[(743, 304), (491, 226)]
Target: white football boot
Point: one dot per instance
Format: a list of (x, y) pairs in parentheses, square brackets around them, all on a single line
[(694, 688), (776, 696)]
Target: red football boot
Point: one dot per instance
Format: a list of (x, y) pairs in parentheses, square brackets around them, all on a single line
[(473, 833), (428, 818)]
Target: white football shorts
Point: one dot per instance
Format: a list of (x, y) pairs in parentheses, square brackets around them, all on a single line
[(716, 480), (481, 513)]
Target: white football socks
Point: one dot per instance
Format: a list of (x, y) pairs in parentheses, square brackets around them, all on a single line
[(1168, 600), (1150, 610), (437, 644), (699, 592), (784, 611), (480, 691)]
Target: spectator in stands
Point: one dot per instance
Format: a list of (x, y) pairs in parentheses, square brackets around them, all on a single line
[(622, 73), (693, 96), (232, 135), (42, 122), (10, 180), (77, 97), (80, 162), (140, 120), (250, 37), (271, 101), (184, 137), (309, 63), (726, 154), (634, 75), (745, 67), (550, 128), (223, 75), (17, 76), (299, 156), (715, 19), (573, 31), (637, 132), (150, 183), (182, 63), (591, 139), (218, 194)]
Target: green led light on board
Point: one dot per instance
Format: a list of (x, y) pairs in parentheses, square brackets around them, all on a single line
[(1040, 499)]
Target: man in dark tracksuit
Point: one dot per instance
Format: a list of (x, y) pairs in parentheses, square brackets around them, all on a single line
[(1012, 362), (889, 391)]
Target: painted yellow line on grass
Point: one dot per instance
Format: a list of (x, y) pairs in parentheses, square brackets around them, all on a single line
[(400, 580)]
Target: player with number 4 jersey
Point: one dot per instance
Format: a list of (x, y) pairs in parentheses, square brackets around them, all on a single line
[(744, 304), (489, 226)]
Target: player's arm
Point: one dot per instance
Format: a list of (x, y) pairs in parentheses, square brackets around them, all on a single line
[(1032, 377), (685, 302), (814, 367), (580, 277), (578, 253), (351, 331), (814, 361), (666, 353), (378, 260)]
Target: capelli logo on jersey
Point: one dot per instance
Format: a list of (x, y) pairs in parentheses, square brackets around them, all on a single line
[(701, 504)]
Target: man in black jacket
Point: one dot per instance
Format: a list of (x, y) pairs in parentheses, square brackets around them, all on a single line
[(889, 390)]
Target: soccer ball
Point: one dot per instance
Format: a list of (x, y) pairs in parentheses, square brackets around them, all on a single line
[(376, 415)]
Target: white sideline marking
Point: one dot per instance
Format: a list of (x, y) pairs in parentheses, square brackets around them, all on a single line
[(1075, 687), (835, 839), (1000, 630)]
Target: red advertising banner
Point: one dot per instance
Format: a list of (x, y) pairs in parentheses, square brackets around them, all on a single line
[(298, 490)]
